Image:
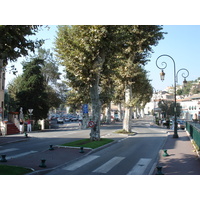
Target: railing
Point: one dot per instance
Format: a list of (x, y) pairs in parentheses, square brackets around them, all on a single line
[(194, 131)]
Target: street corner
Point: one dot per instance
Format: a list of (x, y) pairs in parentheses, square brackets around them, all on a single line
[(49, 159)]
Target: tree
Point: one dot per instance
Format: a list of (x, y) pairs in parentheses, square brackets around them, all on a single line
[(33, 92), (10, 96), (86, 52), (14, 41), (167, 108), (83, 50), (50, 66), (137, 42)]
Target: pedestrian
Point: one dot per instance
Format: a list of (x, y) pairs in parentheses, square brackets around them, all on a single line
[(29, 125), (21, 123)]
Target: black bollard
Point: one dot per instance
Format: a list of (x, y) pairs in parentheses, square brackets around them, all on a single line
[(26, 134), (165, 153), (42, 163), (159, 171), (81, 150), (51, 147), (3, 158)]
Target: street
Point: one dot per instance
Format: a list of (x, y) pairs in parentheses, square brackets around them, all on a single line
[(133, 155)]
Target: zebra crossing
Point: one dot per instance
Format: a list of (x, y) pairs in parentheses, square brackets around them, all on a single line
[(16, 155), (103, 168), (109, 165), (138, 169)]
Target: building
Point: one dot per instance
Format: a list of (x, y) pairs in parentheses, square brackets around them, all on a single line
[(2, 87), (190, 107)]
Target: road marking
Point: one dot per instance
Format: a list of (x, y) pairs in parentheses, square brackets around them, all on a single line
[(8, 150), (20, 155), (140, 167), (109, 165), (80, 163)]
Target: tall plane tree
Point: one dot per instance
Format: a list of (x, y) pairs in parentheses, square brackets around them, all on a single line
[(137, 45), (83, 50)]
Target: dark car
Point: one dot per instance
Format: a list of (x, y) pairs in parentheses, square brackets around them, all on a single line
[(181, 124), (60, 120)]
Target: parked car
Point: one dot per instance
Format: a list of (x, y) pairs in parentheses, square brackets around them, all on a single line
[(60, 120), (67, 119), (74, 118), (181, 124)]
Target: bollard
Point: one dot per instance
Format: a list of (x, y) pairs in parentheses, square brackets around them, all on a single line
[(165, 153), (26, 134), (51, 147), (3, 158), (42, 163), (81, 150), (159, 171)]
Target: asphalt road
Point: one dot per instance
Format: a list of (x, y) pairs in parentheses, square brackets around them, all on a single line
[(40, 141), (133, 155)]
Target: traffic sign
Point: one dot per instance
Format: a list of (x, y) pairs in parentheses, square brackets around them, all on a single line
[(85, 108), (91, 124), (30, 110)]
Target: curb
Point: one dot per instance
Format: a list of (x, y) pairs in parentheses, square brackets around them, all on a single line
[(152, 171), (44, 171)]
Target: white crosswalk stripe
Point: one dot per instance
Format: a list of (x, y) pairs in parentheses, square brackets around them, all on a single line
[(140, 167), (20, 155), (80, 163), (8, 150), (108, 165)]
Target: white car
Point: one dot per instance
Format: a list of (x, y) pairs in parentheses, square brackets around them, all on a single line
[(60, 120)]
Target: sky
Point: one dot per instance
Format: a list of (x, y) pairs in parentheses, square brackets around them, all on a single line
[(182, 43)]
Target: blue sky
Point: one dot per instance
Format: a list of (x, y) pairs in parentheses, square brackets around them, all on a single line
[(182, 43)]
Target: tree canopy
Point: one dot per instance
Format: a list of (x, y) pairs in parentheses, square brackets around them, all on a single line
[(14, 41), (33, 94), (93, 54)]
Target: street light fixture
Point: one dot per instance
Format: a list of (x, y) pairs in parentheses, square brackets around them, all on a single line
[(162, 76)]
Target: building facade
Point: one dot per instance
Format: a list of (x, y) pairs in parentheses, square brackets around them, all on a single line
[(2, 87)]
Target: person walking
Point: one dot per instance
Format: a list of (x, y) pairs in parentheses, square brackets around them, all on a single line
[(21, 123), (29, 125)]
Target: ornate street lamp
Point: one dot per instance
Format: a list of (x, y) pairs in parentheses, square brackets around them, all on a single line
[(162, 76)]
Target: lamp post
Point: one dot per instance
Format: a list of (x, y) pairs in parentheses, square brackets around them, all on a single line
[(162, 77)]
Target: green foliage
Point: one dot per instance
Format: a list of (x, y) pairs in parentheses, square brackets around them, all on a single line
[(167, 108), (88, 143), (50, 66), (13, 170), (32, 94), (14, 41)]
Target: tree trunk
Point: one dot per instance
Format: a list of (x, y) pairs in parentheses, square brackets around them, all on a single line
[(127, 123), (94, 95), (96, 105), (108, 114)]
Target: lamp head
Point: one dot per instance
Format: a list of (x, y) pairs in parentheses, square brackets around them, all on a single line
[(184, 82), (162, 75)]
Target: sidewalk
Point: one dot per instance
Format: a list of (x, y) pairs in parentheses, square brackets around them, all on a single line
[(182, 159), (54, 158)]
